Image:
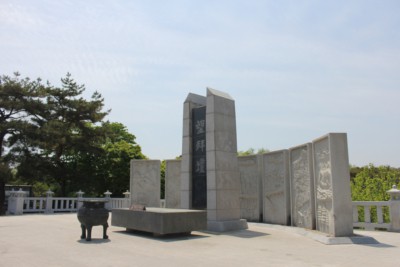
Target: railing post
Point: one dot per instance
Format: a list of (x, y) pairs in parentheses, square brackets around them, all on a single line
[(394, 208), (79, 195), (49, 202), (108, 204), (127, 195), (16, 202)]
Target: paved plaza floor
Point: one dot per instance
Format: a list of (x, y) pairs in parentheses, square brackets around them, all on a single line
[(54, 240)]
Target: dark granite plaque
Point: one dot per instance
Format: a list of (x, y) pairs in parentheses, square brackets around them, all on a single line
[(199, 168)]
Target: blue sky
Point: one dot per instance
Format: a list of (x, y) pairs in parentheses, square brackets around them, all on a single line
[(296, 69)]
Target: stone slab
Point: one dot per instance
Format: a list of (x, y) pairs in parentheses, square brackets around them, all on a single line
[(173, 184), (145, 182), (302, 186), (276, 193), (160, 221), (250, 188), (334, 214)]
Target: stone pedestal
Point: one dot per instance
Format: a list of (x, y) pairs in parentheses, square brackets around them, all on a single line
[(16, 202), (394, 209)]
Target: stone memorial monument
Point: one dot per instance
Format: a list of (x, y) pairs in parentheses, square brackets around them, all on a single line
[(210, 172)]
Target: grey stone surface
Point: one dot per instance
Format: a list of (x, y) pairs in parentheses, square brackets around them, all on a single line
[(302, 186), (250, 188), (223, 177), (276, 187), (160, 220), (332, 185), (173, 184), (145, 182)]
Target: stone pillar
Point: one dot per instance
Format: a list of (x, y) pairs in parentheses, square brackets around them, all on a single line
[(192, 101), (49, 202), (107, 197), (79, 195), (172, 184), (16, 202), (145, 182), (223, 177), (394, 206), (334, 213)]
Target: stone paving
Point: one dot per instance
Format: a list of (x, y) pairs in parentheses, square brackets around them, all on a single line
[(54, 240)]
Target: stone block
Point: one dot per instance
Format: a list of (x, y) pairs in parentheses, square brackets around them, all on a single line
[(160, 221)]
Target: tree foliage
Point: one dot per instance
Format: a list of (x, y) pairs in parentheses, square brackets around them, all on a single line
[(252, 151), (20, 100), (65, 131), (371, 183), (54, 138)]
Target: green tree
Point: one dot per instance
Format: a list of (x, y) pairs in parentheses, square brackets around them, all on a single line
[(113, 165), (20, 100), (66, 129)]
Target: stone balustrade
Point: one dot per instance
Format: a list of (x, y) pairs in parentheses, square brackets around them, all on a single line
[(19, 203), (370, 215)]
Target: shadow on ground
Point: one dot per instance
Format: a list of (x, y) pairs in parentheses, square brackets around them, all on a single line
[(94, 241), (162, 238), (241, 234)]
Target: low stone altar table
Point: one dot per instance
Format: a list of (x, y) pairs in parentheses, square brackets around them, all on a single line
[(160, 221)]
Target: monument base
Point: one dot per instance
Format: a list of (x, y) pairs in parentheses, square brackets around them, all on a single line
[(160, 221), (225, 226)]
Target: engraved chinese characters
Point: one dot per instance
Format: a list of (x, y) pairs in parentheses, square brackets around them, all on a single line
[(199, 166)]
